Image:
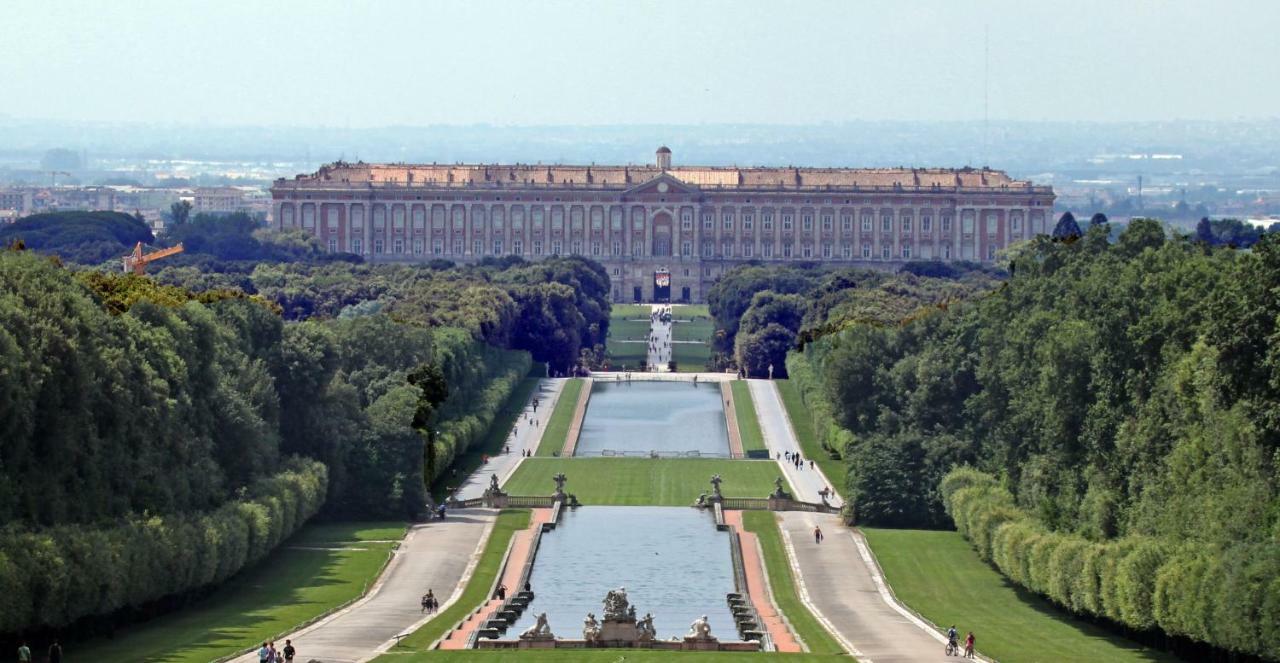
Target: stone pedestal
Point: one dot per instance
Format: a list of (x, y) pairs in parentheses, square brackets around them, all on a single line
[(612, 630), (693, 643), (537, 643)]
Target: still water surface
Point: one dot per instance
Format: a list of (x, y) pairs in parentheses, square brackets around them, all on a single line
[(639, 417), (672, 561)]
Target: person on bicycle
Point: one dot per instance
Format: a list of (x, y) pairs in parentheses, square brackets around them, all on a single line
[(952, 645)]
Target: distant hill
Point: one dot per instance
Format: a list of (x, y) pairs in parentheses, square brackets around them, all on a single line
[(82, 237)]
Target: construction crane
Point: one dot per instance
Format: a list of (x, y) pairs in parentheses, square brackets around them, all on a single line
[(136, 262), (53, 176)]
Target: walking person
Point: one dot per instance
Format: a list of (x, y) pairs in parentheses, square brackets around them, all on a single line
[(289, 651), (55, 652), (263, 653), (501, 593), (817, 534), (968, 645), (24, 652)]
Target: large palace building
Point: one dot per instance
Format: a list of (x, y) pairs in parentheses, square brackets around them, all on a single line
[(664, 232)]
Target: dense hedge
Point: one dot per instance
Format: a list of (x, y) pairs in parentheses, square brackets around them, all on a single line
[(481, 378), (830, 435), (1224, 595), (54, 576)]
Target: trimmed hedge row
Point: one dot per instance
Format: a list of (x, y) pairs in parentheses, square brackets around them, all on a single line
[(54, 576), (800, 370), (1228, 597), (481, 378)]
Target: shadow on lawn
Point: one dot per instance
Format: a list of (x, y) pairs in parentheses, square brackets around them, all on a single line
[(1085, 626), (236, 611)]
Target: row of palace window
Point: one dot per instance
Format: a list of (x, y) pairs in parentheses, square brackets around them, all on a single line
[(787, 221), (806, 251)]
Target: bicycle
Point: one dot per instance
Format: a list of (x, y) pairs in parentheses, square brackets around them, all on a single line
[(952, 649)]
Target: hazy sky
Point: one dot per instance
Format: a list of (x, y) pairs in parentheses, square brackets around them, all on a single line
[(361, 64)]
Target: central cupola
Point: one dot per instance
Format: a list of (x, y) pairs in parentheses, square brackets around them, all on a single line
[(664, 158)]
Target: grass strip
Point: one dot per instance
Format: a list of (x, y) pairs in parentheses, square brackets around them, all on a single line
[(292, 586), (802, 423), (748, 422), (498, 435), (508, 523), (553, 437), (939, 575), (764, 524), (630, 311), (643, 481)]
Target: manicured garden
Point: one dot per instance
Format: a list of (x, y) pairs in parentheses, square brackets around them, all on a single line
[(561, 418), (317, 570), (940, 575), (643, 481), (748, 422), (691, 323)]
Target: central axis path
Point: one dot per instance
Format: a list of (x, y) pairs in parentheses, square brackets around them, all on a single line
[(659, 339)]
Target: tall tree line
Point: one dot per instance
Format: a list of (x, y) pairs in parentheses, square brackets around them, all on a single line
[(1120, 399)]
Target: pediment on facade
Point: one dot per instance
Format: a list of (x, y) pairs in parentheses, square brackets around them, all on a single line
[(663, 184)]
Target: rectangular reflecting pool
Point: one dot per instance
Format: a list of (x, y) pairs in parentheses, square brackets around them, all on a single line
[(636, 418), (671, 560)]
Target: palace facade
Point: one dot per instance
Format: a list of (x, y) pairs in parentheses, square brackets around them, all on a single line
[(652, 225)]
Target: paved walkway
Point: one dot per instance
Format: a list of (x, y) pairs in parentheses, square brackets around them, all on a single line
[(780, 438), (437, 555), (660, 337), (841, 581), (527, 433)]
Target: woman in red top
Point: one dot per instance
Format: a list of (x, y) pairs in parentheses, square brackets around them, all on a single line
[(968, 645)]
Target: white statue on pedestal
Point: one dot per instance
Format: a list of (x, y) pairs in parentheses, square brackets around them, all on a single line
[(539, 631), (700, 629)]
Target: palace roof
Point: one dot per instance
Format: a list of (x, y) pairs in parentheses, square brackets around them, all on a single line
[(341, 173)]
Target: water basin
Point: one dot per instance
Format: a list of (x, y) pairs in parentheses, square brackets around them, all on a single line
[(672, 561), (638, 417)]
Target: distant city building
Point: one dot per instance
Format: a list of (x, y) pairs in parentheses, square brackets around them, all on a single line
[(676, 225), (218, 200)]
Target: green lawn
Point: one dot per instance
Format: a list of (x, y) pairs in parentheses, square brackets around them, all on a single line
[(701, 329), (643, 481), (497, 436), (765, 526), (634, 330), (940, 575), (833, 469), (291, 586), (628, 322), (622, 311), (687, 311), (558, 425), (509, 522), (748, 422), (690, 357)]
